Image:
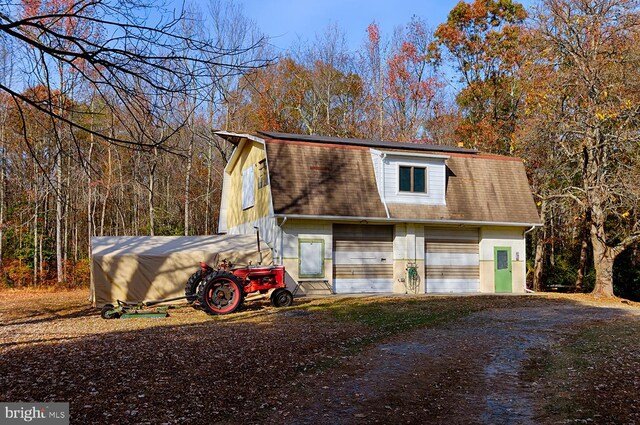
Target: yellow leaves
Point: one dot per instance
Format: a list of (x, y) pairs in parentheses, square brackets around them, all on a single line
[(625, 214), (603, 116), (539, 203)]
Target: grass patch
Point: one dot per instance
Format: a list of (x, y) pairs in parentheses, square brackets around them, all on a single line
[(390, 315), (594, 376)]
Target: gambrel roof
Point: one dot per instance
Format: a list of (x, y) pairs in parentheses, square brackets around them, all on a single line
[(335, 178)]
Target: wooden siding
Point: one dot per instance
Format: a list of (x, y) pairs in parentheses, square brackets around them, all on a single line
[(235, 215)]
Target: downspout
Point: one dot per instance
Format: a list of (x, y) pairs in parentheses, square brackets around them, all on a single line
[(527, 290), (384, 195), (281, 259)]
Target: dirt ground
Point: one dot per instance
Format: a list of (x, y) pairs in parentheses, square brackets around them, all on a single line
[(336, 360)]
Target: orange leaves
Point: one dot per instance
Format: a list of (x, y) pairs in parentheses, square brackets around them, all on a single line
[(409, 51), (30, 7), (374, 34), (407, 77)]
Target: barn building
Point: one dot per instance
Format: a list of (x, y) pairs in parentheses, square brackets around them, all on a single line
[(363, 216)]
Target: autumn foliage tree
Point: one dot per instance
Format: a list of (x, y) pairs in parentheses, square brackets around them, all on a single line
[(412, 82), (483, 39)]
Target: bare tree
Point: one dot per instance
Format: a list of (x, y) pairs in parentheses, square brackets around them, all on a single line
[(117, 48), (586, 72), (6, 64)]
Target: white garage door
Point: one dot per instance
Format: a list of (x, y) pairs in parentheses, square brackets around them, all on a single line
[(452, 260), (362, 258)]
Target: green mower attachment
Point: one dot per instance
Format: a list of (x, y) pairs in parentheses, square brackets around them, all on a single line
[(129, 310)]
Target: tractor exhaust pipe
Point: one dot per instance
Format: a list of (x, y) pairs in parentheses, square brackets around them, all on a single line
[(258, 241)]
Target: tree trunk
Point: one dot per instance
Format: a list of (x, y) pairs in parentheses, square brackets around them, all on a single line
[(59, 214), (552, 256), (380, 100), (540, 251), (539, 264), (59, 183), (187, 184), (152, 223), (75, 241), (603, 257), (150, 196), (2, 190), (89, 188), (3, 164), (41, 262), (207, 218), (582, 263), (207, 213), (103, 213), (35, 235), (65, 212)]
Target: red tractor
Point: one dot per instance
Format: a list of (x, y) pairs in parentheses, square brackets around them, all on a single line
[(222, 290)]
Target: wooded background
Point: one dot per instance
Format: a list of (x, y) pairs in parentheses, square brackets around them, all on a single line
[(107, 119)]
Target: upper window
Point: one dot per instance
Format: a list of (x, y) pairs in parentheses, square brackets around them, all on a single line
[(263, 179), (413, 179), (248, 196)]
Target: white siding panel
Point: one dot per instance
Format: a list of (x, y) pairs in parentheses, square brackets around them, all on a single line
[(508, 237), (305, 230), (453, 285), (376, 159), (363, 285), (436, 176), (452, 259)]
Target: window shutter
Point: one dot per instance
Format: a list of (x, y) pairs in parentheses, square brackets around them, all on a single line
[(248, 191)]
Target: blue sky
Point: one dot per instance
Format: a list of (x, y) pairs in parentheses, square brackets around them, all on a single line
[(286, 20)]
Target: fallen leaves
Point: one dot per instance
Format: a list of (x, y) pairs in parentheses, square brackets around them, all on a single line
[(259, 365)]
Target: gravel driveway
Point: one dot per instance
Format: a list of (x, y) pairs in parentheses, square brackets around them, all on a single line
[(466, 372)]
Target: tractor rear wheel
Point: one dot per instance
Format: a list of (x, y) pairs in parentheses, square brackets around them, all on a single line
[(220, 293), (281, 298)]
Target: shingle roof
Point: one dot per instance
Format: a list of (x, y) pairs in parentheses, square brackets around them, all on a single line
[(330, 178), (365, 143), (317, 179)]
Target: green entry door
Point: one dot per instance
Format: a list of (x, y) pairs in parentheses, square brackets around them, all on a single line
[(502, 268)]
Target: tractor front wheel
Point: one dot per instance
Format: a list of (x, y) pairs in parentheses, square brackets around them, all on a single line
[(220, 293), (107, 312), (191, 288), (281, 298)]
